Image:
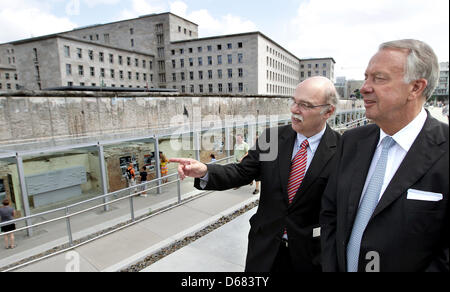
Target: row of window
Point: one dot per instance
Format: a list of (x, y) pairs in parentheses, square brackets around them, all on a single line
[(8, 76), (70, 83), (106, 39), (273, 76), (209, 48), (101, 57), (185, 30), (280, 66), (200, 75), (220, 88), (277, 89), (11, 60), (112, 73), (9, 86), (316, 66), (281, 56), (302, 74), (209, 61)]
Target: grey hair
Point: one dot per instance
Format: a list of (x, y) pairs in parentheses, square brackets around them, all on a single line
[(331, 97), (422, 62)]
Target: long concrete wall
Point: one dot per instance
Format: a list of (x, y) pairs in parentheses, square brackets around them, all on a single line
[(31, 117)]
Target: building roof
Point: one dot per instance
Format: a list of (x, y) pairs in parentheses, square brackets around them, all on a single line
[(236, 35), (318, 59), (51, 36)]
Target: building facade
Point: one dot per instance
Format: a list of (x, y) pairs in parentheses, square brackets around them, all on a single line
[(56, 61), (156, 51), (317, 67), (441, 91)]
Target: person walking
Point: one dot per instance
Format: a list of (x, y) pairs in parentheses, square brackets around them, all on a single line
[(164, 162), (7, 213), (240, 148), (143, 175), (131, 177)]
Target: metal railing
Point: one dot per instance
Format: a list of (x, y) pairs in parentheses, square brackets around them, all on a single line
[(134, 191), (351, 124)]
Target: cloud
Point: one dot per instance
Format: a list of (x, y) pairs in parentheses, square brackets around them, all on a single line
[(93, 3), (143, 7), (211, 26), (27, 18), (351, 30)]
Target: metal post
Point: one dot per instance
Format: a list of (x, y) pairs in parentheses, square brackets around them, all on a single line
[(195, 136), (131, 208), (157, 166), (227, 141), (179, 188), (69, 229), (101, 157), (24, 192)]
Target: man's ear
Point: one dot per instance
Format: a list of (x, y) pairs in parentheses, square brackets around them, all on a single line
[(330, 111), (418, 87)]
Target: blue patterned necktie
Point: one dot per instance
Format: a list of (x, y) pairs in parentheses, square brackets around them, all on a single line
[(367, 207)]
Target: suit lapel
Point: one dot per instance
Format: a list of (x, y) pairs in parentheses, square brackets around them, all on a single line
[(422, 155), (286, 146), (361, 164), (325, 150)]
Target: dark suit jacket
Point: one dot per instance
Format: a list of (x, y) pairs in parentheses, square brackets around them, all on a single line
[(408, 235), (274, 211)]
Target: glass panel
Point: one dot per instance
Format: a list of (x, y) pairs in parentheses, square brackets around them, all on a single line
[(9, 184)]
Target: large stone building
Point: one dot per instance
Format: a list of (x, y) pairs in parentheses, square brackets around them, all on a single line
[(157, 50), (441, 91), (317, 67)]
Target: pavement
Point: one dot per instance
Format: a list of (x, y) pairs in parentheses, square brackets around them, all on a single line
[(120, 249)]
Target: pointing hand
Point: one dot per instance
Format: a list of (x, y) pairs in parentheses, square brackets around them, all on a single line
[(190, 168)]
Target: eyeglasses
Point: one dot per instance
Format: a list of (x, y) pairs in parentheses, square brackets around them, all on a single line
[(305, 106)]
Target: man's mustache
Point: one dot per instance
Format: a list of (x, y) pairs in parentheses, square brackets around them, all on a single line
[(298, 117)]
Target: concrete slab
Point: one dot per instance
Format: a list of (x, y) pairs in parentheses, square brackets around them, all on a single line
[(222, 250), (228, 242), (65, 262), (193, 260), (116, 247), (217, 202), (174, 221)]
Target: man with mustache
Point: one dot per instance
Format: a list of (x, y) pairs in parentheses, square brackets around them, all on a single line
[(285, 231), (386, 206)]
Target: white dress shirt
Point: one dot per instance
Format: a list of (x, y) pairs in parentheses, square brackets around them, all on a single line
[(313, 142), (404, 140)]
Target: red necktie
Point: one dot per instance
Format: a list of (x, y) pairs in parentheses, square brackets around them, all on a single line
[(298, 170)]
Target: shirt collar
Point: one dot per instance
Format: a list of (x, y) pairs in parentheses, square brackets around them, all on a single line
[(313, 141), (406, 136)]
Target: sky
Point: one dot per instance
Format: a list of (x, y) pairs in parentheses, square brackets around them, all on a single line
[(349, 31)]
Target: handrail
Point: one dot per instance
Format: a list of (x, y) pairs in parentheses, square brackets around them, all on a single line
[(347, 125), (132, 188)]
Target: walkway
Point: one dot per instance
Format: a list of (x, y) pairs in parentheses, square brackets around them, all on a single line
[(127, 246)]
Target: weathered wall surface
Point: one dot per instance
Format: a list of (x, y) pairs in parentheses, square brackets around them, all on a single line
[(52, 116)]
